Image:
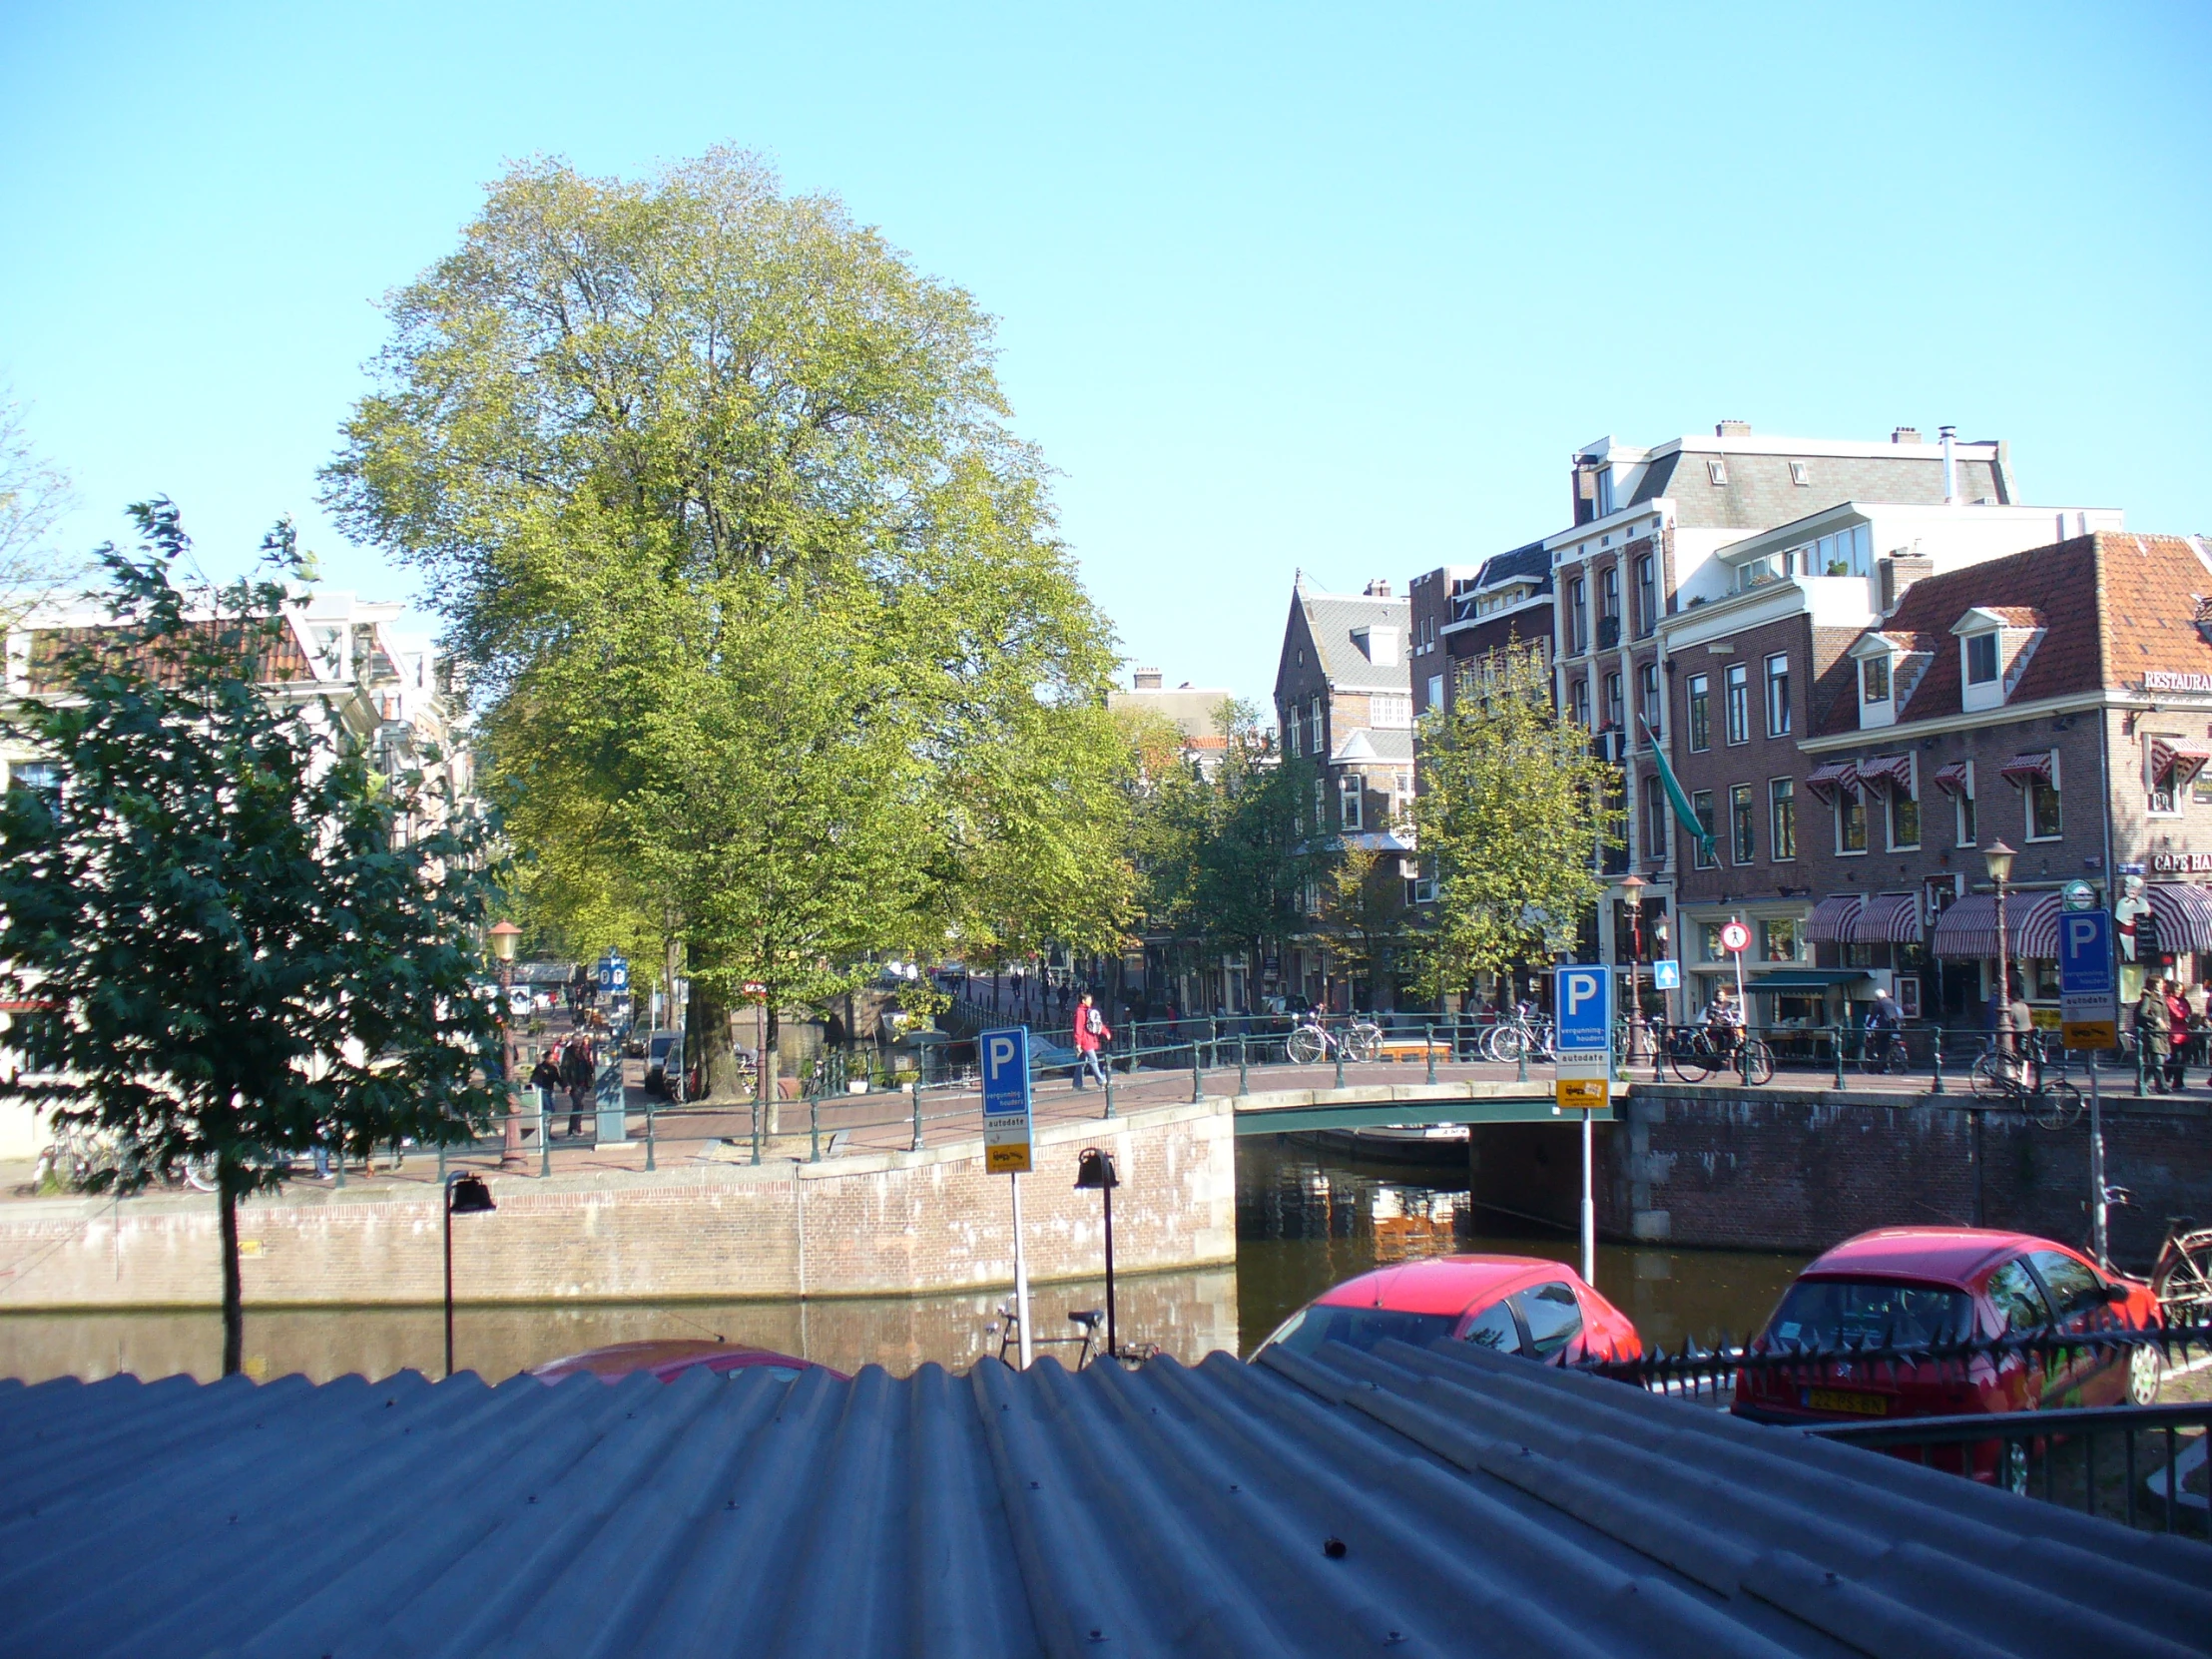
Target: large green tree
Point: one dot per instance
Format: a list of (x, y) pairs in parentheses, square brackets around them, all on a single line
[(240, 955), (780, 655), (1511, 815)]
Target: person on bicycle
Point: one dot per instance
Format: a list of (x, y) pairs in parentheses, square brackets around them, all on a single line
[(1724, 1021)]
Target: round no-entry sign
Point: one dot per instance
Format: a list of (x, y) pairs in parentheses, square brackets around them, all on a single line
[(1735, 937)]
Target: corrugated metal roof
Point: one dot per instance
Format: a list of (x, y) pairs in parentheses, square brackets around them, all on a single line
[(1406, 1501)]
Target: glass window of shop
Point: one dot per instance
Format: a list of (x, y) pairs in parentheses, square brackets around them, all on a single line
[(1782, 939)]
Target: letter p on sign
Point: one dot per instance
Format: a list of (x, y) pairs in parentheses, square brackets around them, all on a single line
[(1001, 1055)]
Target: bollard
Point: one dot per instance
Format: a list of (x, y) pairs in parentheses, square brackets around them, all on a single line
[(1244, 1067), (648, 1164), (1520, 1050), (441, 1168), (1213, 1042), (1431, 1046), (916, 1087), (338, 1162), (814, 1129), (756, 1129), (545, 1143), (1839, 1056), (2139, 1051), (1110, 1080), (1198, 1080), (1339, 1052), (1937, 1087)]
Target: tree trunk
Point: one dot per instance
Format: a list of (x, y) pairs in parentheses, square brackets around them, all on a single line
[(771, 1028), (234, 1301)]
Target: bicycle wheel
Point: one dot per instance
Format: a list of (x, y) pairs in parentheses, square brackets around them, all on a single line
[(1507, 1044), (1363, 1042), (1691, 1059), (1304, 1047), (2184, 1282), (2055, 1105), (1756, 1061), (1996, 1076)]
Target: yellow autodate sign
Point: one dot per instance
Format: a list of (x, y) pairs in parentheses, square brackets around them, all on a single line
[(1581, 1093)]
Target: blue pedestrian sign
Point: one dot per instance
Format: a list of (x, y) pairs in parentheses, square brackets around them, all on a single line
[(1584, 1001), (1003, 1057), (2088, 1001)]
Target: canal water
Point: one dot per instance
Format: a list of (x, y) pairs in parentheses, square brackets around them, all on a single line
[(1306, 1220)]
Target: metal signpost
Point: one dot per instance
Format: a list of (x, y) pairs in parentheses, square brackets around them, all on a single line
[(1736, 939), (1007, 1142), (1583, 998), (2089, 1014)]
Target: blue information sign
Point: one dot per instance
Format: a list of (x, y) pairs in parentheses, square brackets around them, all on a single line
[(1666, 974), (614, 973), (1004, 1060), (2084, 953), (1584, 1000)]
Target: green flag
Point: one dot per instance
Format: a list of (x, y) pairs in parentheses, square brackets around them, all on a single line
[(1680, 801)]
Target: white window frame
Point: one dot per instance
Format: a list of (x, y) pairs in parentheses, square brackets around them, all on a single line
[(1961, 803), (1837, 817), (2174, 807), (1775, 728), (1890, 813), (2027, 806), (1350, 802), (1774, 840), (1730, 734)]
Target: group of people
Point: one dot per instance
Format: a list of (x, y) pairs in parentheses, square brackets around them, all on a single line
[(2173, 1026), (572, 1064)]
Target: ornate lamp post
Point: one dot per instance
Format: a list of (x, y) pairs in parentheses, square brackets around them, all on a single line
[(1999, 858), (504, 939), (1632, 886)]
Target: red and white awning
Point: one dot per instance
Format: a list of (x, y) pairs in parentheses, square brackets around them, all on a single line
[(1969, 929), (1830, 922), (2184, 915), (1951, 780), (2176, 760), (1887, 918), (2022, 768), (1827, 779), (1887, 772)]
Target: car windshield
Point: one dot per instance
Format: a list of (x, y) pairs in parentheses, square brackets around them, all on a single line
[(1360, 1327), (1833, 1312)]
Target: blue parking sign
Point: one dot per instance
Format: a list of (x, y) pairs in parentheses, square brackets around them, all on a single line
[(1003, 1058), (1584, 1002), (2084, 953)]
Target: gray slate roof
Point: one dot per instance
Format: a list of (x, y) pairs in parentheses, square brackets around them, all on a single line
[(1332, 617), (1437, 1502)]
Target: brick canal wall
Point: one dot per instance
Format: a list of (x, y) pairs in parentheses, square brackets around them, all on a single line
[(1783, 1169), (888, 1224)]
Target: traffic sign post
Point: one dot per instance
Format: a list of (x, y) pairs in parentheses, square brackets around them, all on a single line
[(1666, 976), (1582, 1002), (2089, 1013), (1007, 1142)]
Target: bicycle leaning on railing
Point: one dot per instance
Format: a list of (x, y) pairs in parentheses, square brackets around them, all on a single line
[(1310, 1042), (2020, 1072), (1007, 1329)]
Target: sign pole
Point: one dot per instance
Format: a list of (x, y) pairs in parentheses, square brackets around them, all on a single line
[(1590, 1205), (1021, 1273), (1583, 1067), (2096, 1168), (2090, 1004)]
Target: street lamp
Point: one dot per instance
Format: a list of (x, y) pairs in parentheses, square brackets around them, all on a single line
[(465, 1195), (1094, 1172), (1999, 858), (1632, 887), (503, 938)]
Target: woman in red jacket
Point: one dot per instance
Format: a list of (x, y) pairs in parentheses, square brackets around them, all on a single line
[(1090, 1034)]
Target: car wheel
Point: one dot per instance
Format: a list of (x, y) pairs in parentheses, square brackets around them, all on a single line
[(2145, 1371)]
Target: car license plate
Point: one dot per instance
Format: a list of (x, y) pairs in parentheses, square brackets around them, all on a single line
[(1844, 1400)]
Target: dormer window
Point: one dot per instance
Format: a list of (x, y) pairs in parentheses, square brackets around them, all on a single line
[(1874, 680), (1995, 646), (1981, 659)]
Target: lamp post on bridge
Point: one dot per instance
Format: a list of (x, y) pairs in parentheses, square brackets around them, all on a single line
[(1998, 860), (1632, 886), (504, 939)]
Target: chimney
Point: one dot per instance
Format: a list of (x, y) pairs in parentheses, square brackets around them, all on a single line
[(1949, 435), (1147, 679), (1899, 571), (1732, 429), (1378, 589), (1906, 434)]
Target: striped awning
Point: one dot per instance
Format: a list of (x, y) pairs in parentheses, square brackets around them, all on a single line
[(1969, 929), (1830, 921), (1887, 772), (1951, 780), (2022, 768), (1887, 918), (2175, 761), (2184, 915), (1835, 775)]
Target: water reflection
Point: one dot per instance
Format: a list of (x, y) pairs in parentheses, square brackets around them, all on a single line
[(1304, 1221)]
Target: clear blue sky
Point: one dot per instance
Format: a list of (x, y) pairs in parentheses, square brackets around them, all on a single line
[(1281, 285)]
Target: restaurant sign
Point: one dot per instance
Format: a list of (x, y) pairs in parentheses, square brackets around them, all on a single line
[(2181, 863), (2161, 679)]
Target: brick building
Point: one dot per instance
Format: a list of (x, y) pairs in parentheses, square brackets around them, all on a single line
[(1461, 613)]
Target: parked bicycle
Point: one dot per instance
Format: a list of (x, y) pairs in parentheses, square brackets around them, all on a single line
[(1696, 1052), (1523, 1034), (1007, 1329), (2021, 1074), (2182, 1279), (1883, 1053), (1310, 1042)]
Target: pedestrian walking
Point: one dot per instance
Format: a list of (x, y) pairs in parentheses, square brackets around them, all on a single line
[(545, 1078), (2154, 1032), (577, 1073), (2178, 1041), (1090, 1034)]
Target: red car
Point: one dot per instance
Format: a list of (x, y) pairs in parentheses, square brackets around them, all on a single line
[(668, 1357), (1912, 1284), (1524, 1305)]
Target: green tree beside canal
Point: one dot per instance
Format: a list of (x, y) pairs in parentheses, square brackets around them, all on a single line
[(237, 954), (779, 656), (1513, 814)]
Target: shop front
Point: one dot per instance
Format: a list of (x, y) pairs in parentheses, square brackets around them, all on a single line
[(1778, 944)]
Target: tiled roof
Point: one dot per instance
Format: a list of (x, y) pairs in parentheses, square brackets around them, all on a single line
[(1423, 1502), (1533, 560), (2113, 606), (1332, 617), (282, 662)]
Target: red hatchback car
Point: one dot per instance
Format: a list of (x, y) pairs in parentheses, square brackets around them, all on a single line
[(1524, 1305), (668, 1357), (1912, 1284)]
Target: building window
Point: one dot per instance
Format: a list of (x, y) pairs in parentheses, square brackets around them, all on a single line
[(1578, 616), (1981, 659), (1778, 695), (1296, 726), (1647, 596), (1349, 801), (1874, 680), (1386, 711), (1962, 809), (1851, 820), (1738, 683), (1655, 815), (1701, 713), (1613, 700), (1782, 940), (1321, 807), (1436, 691), (1701, 808), (1578, 700), (1716, 470), (1801, 474), (1740, 824), (1781, 817), (1905, 815), (1647, 695), (2043, 821), (2160, 797)]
